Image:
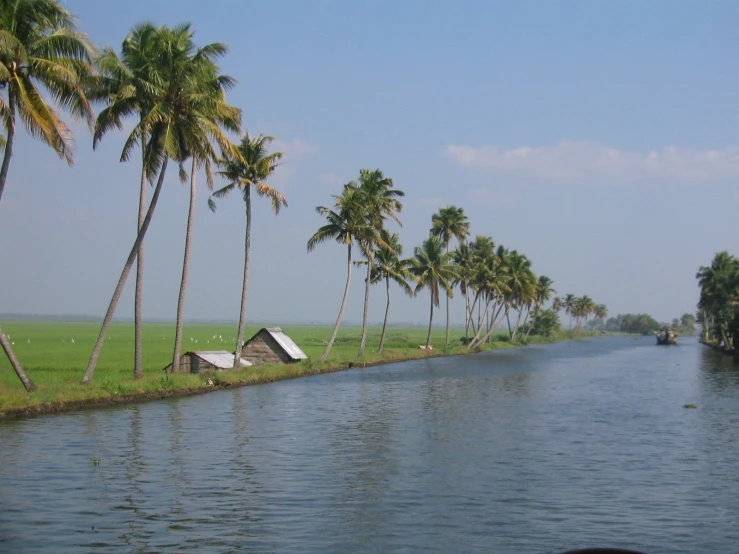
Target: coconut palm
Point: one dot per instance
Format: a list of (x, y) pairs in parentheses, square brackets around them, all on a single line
[(41, 55), (544, 292), (381, 201), (248, 170), (568, 303), (719, 297), (346, 223), (210, 113), (389, 266), (433, 269), (167, 123), (129, 85), (600, 312), (462, 258), (41, 51), (449, 223)]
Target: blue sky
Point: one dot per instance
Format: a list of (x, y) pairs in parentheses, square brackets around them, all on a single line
[(600, 139)]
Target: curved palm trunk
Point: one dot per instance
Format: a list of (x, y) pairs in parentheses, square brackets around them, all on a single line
[(138, 366), (387, 311), (122, 280), (343, 305), (185, 273), (431, 319), (363, 342), (245, 285), (516, 326), (8, 146), (25, 379)]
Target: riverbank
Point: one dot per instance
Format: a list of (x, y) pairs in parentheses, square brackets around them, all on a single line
[(59, 389), (716, 346)]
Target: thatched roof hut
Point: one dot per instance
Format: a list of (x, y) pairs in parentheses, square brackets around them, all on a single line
[(206, 360), (272, 346)]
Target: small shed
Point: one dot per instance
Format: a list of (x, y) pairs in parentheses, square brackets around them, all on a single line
[(272, 346), (206, 360)]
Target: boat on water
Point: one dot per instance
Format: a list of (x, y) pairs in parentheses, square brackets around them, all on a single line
[(666, 336)]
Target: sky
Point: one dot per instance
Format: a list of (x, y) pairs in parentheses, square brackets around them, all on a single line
[(598, 138)]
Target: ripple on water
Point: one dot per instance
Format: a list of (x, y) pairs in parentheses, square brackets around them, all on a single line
[(530, 450)]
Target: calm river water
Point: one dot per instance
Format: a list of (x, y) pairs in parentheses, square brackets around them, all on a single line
[(534, 450)]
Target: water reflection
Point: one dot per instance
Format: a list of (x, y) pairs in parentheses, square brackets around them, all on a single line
[(533, 450)]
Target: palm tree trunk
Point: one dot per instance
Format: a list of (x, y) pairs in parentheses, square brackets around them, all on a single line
[(8, 146), (447, 306), (138, 368), (431, 318), (124, 275), (343, 305), (25, 379), (467, 315), (245, 285), (363, 342), (515, 327), (185, 273), (387, 311)]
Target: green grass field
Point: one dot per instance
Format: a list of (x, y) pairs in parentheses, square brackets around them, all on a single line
[(55, 355)]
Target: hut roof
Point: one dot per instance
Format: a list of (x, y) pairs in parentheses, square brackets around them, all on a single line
[(287, 344), (222, 359)]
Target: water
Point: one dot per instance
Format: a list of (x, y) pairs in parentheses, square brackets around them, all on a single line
[(533, 450)]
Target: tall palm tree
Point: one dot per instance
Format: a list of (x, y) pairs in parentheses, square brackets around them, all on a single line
[(449, 223), (381, 201), (719, 297), (346, 223), (167, 123), (462, 258), (568, 304), (210, 113), (544, 292), (129, 85), (433, 269), (389, 266), (40, 52), (248, 169)]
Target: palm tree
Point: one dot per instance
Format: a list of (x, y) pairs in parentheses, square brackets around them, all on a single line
[(432, 267), (129, 84), (449, 223), (388, 266), (167, 124), (40, 50), (600, 312), (248, 170), (346, 222), (462, 258), (568, 303), (521, 286), (209, 114), (719, 297), (381, 201), (544, 292)]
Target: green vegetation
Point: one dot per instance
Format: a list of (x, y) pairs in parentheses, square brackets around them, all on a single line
[(718, 307), (176, 94), (54, 353), (645, 324)]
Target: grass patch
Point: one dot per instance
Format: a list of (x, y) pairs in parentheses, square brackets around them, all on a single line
[(55, 354)]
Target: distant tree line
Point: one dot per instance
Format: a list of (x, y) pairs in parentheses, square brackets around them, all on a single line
[(645, 324)]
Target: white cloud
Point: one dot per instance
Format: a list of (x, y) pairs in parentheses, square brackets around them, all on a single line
[(584, 161)]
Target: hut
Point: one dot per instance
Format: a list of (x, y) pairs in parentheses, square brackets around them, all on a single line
[(202, 361), (272, 346)]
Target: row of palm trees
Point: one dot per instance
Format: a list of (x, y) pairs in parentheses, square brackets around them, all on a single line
[(176, 93), (497, 283), (718, 306)]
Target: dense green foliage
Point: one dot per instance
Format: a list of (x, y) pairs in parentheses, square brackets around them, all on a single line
[(642, 324), (718, 307)]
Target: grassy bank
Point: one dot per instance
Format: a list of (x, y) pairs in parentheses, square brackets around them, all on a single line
[(55, 355)]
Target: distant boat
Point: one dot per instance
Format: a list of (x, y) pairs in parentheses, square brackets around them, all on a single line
[(666, 336)]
